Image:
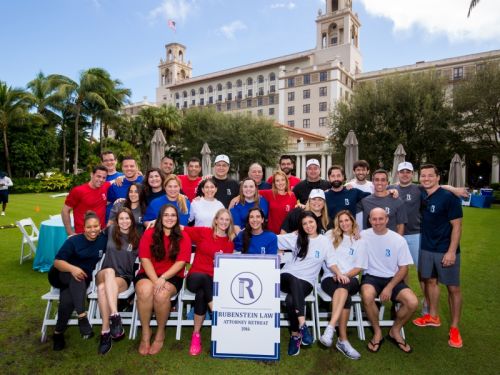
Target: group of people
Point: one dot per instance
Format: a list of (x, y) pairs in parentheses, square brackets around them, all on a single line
[(332, 229)]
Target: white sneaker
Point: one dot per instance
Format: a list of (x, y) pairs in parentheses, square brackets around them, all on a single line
[(327, 338), (3, 213), (346, 349)]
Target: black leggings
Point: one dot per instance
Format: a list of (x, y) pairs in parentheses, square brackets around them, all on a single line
[(297, 290), (71, 297), (200, 284)]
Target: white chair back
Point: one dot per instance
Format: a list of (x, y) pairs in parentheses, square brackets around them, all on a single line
[(30, 236)]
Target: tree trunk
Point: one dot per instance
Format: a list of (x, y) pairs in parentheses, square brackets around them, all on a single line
[(92, 127), (75, 163), (6, 149), (101, 132), (63, 135)]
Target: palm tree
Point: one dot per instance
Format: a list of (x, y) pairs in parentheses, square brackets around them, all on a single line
[(472, 5)]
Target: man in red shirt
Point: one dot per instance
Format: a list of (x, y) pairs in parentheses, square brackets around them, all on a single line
[(89, 196), (191, 180), (287, 166)]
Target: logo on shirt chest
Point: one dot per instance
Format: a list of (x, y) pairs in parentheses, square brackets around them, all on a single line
[(387, 210), (316, 254), (432, 208), (262, 250), (387, 252), (351, 251), (287, 208), (228, 191), (408, 197), (346, 202), (103, 196)]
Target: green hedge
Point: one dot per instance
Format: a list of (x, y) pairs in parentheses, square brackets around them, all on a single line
[(56, 182)]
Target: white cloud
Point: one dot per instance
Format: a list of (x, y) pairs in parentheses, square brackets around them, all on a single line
[(230, 29), (177, 10), (443, 17), (289, 5)]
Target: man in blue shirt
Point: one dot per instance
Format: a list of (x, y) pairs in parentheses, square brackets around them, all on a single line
[(440, 251), (108, 159)]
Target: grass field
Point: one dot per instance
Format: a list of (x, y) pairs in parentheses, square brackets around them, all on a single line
[(21, 312)]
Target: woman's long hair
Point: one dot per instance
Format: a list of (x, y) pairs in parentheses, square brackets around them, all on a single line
[(133, 237), (256, 196), (230, 229), (202, 184), (181, 200), (287, 187), (303, 237), (324, 214), (337, 233), (157, 246), (142, 201), (146, 190), (247, 233)]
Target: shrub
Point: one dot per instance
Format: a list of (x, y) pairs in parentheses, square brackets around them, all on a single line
[(55, 182), (495, 186)]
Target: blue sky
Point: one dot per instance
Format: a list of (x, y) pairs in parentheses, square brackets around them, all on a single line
[(127, 37)]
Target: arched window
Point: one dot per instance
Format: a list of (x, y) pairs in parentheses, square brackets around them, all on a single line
[(170, 55), (229, 85), (219, 87), (210, 89), (181, 56), (177, 96), (260, 79), (193, 92), (272, 77), (239, 83), (184, 94), (201, 90), (249, 81)]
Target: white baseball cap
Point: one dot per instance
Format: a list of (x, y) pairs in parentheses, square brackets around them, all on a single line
[(312, 162), (317, 193), (405, 165), (223, 158)]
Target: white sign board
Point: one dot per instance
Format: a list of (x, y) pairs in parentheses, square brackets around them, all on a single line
[(246, 316)]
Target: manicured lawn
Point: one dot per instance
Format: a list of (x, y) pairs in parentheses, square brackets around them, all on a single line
[(21, 311)]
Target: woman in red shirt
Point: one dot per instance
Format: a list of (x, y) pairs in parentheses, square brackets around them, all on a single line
[(209, 241), (281, 201), (164, 251)]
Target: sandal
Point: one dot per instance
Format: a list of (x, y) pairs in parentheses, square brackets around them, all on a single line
[(401, 345), (376, 345)]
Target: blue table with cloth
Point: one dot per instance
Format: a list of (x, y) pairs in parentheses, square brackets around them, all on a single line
[(52, 236)]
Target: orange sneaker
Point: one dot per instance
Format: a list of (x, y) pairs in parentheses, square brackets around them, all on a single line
[(455, 340), (427, 321)]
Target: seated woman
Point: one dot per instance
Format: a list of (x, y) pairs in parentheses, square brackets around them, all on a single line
[(316, 204), (152, 185), (72, 273), (254, 239), (116, 274), (164, 251), (249, 197), (209, 241), (174, 197), (352, 258), (309, 249), (203, 209), (134, 202)]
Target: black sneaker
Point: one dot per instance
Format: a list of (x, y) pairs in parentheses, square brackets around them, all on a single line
[(85, 328), (105, 343), (116, 328), (59, 342)]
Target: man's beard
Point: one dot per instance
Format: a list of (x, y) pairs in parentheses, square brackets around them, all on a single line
[(336, 184)]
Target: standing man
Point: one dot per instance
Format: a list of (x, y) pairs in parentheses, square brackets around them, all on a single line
[(108, 159), (227, 188), (286, 166), (82, 198), (440, 251), (388, 261), (382, 198), (256, 173), (313, 181), (191, 180), (361, 170), (5, 183), (340, 198), (131, 174), (167, 165)]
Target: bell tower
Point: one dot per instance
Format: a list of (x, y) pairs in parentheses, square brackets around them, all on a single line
[(174, 69)]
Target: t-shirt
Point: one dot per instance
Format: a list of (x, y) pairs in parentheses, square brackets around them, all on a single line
[(114, 176), (240, 211), (412, 198), (116, 192), (350, 254), (291, 222), (152, 196), (279, 207), (80, 252), (386, 253), (292, 181), (162, 266), (264, 243), (367, 187), (189, 187), (320, 250), (83, 198), (226, 190), (346, 199), (154, 207), (5, 182), (137, 212), (303, 188), (207, 245), (120, 259), (264, 186), (203, 212), (438, 209), (394, 207)]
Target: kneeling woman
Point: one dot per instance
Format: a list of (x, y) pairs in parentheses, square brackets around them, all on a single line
[(352, 258), (309, 250), (254, 239), (164, 251), (72, 273), (116, 274), (209, 241)]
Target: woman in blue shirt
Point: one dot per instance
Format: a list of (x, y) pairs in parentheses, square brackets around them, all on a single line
[(254, 239), (249, 197)]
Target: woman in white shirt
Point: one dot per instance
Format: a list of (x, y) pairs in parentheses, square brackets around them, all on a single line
[(309, 250), (203, 210), (352, 258)]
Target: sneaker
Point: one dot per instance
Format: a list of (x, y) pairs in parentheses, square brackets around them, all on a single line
[(116, 328), (427, 321), (307, 338), (327, 338), (59, 342), (346, 349), (294, 345), (85, 328), (105, 343), (455, 340), (3, 213), (195, 348)]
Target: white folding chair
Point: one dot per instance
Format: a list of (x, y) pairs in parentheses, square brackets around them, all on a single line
[(312, 322), (381, 320), (30, 236)]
